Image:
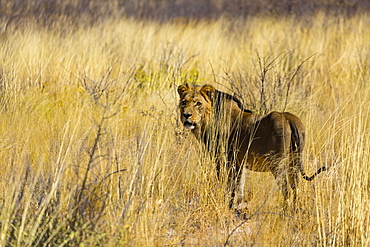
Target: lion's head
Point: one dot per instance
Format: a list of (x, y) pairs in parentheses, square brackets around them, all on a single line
[(195, 106)]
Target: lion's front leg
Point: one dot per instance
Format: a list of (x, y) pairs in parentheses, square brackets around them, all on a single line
[(240, 200), (236, 181), (231, 184)]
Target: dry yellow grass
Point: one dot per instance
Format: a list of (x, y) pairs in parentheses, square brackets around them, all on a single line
[(78, 105)]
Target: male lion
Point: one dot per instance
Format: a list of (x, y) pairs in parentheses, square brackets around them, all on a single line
[(237, 137)]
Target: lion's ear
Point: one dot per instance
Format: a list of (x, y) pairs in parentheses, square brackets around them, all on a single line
[(208, 91), (183, 89)]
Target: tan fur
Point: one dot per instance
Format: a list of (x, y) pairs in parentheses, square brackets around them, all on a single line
[(237, 137)]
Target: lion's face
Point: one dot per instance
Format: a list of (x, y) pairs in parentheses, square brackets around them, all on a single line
[(195, 106)]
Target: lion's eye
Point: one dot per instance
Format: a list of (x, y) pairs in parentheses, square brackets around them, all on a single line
[(198, 104)]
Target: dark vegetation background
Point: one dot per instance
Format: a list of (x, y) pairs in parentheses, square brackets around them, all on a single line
[(88, 12)]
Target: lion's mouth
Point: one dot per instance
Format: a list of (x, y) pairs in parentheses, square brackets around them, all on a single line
[(189, 125)]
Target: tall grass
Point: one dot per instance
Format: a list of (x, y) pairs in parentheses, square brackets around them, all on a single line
[(91, 150)]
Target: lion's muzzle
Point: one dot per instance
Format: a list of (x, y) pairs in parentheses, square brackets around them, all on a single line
[(189, 125)]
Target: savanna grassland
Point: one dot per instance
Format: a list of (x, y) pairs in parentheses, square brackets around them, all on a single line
[(92, 152)]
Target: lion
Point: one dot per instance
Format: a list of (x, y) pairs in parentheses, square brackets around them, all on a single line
[(238, 138)]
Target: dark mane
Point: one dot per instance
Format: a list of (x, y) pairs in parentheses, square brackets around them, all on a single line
[(219, 96)]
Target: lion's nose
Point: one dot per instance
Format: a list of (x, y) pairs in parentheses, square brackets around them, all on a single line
[(187, 115)]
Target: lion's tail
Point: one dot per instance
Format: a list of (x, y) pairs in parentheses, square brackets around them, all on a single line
[(297, 147)]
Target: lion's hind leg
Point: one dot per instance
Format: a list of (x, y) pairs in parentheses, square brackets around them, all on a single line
[(281, 177), (287, 180)]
